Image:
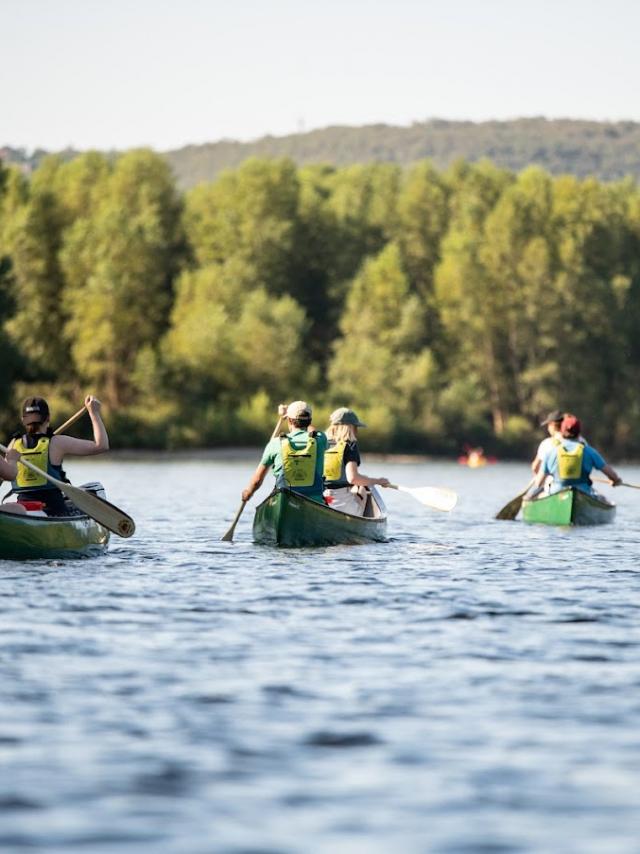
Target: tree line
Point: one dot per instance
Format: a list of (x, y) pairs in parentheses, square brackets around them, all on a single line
[(446, 306)]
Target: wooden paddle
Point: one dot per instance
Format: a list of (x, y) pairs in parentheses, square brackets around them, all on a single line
[(608, 482), (105, 513), (432, 496), (228, 537), (70, 421), (511, 510)]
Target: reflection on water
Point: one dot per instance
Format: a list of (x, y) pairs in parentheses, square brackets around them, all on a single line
[(471, 685)]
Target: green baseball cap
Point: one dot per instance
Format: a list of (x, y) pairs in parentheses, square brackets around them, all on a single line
[(346, 416)]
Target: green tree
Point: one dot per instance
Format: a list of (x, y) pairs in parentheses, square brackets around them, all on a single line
[(381, 364), (120, 262), (249, 215), (470, 307), (32, 236)]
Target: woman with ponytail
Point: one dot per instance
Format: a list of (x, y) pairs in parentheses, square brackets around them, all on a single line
[(39, 446)]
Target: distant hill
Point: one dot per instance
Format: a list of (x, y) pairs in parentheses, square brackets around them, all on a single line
[(607, 150), (604, 149)]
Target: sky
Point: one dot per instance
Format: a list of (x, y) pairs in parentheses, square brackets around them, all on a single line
[(111, 74)]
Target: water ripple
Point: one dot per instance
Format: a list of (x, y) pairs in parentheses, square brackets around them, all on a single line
[(468, 686)]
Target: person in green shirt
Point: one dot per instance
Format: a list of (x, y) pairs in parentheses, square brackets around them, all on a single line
[(297, 457)]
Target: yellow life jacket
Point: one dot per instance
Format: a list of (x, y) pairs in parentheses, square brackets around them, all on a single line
[(37, 456), (299, 465), (570, 462), (333, 462)]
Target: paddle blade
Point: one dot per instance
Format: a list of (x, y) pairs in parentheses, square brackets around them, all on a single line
[(435, 497), (228, 537), (511, 510), (105, 513)]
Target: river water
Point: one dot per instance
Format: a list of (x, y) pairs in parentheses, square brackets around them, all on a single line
[(469, 686)]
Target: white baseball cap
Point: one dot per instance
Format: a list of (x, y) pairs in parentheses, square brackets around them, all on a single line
[(299, 409)]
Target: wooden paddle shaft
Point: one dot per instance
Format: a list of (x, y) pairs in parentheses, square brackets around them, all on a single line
[(70, 421), (610, 483)]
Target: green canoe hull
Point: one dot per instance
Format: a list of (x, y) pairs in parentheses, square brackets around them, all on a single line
[(37, 537), (568, 507), (291, 520)]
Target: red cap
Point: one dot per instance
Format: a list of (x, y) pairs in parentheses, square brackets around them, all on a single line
[(570, 427)]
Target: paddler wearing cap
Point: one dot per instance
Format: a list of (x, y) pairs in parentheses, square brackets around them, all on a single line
[(37, 444), (345, 487), (569, 461), (296, 457), (552, 422)]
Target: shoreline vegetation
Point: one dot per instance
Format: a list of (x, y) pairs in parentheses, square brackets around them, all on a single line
[(449, 307)]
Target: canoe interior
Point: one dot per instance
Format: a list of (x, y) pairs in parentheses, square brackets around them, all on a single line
[(290, 520), (567, 507)]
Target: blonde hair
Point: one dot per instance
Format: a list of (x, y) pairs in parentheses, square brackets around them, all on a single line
[(342, 433)]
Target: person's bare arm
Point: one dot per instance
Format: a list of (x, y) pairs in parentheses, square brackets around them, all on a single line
[(539, 479), (535, 465), (61, 446), (356, 479), (612, 474), (256, 482)]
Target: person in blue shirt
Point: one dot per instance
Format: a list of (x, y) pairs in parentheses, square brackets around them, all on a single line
[(296, 457), (569, 461)]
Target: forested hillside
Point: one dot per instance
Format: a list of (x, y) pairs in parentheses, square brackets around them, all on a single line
[(608, 151), (444, 305)]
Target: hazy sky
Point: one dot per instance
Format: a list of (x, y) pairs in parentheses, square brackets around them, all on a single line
[(165, 73)]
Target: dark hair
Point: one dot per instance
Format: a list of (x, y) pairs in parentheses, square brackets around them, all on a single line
[(35, 429), (36, 405), (301, 423)]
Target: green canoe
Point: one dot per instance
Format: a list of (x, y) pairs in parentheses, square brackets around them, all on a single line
[(36, 536), (27, 537), (568, 507), (288, 519)]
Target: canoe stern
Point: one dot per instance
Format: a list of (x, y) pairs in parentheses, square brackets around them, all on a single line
[(290, 520), (568, 507)]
